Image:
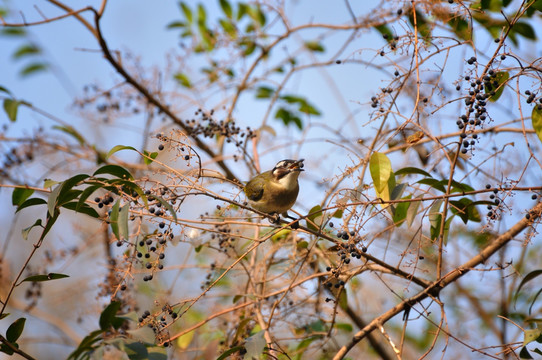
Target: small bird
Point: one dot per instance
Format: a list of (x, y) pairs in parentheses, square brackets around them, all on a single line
[(275, 191)]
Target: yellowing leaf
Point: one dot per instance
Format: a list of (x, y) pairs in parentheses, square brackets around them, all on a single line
[(536, 116), (184, 341)]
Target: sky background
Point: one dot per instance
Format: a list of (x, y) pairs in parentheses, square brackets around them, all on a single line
[(138, 27)]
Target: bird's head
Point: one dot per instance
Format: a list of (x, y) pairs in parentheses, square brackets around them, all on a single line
[(287, 171)]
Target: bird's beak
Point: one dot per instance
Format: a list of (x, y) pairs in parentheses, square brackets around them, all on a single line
[(297, 166)]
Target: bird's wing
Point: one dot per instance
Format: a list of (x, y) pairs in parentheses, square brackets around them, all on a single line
[(256, 190)]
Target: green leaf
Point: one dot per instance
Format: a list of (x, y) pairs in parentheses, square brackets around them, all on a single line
[(13, 31), (62, 193), (119, 148), (85, 195), (264, 92), (524, 29), (15, 330), (229, 27), (398, 191), (67, 185), (530, 276), (183, 80), (83, 209), (33, 68), (135, 349), (255, 345), (343, 299), (242, 10), (434, 183), (108, 317), (501, 77), (123, 222), (280, 235), (401, 211), (465, 209), (412, 170), (20, 195), (524, 353), (530, 335), (292, 99), (26, 231), (48, 277), (380, 167), (314, 46), (202, 15), (226, 8), (248, 46), (31, 202), (25, 50), (52, 202), (460, 27), (114, 170), (149, 157), (48, 183), (537, 5), (458, 187), (187, 12), (434, 214), (288, 118), (184, 340), (303, 345), (129, 187), (308, 108), (176, 24), (143, 334), (413, 211), (536, 117), (230, 351), (344, 327), (260, 15), (86, 344), (314, 213), (385, 31), (10, 107), (424, 29), (3, 89), (70, 130), (114, 219)]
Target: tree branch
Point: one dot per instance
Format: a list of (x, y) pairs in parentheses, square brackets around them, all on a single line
[(435, 288)]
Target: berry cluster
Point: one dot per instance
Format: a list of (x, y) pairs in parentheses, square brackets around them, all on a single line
[(159, 322), (494, 209), (481, 89), (345, 252), (209, 127), (532, 98), (222, 233), (209, 277)]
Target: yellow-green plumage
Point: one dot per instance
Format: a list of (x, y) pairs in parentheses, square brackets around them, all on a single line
[(275, 191)]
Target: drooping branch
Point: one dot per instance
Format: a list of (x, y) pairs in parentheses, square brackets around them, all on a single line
[(154, 101), (435, 288)]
